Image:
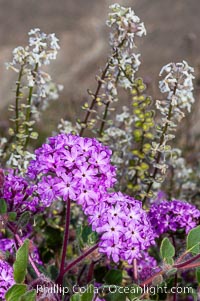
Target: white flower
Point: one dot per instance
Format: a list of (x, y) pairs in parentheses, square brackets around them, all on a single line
[(53, 41), (20, 54), (125, 24), (33, 31), (30, 79), (178, 84), (66, 127)]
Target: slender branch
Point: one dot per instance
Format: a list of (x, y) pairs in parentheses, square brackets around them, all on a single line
[(180, 266), (135, 270), (183, 264), (90, 271), (150, 279), (181, 257), (28, 111), (81, 274), (65, 242), (164, 131), (17, 98), (114, 55), (95, 98), (190, 266), (104, 119), (80, 258)]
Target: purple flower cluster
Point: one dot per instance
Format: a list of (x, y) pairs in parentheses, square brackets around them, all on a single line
[(6, 278), (123, 225), (72, 167), (147, 266), (18, 194), (76, 168), (173, 215), (8, 244)]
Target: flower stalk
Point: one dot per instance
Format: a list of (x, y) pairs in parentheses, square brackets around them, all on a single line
[(28, 111), (65, 242), (18, 92)]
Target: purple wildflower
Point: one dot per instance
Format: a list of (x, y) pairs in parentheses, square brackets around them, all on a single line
[(8, 244), (147, 266), (123, 225), (72, 167), (173, 215), (6, 278), (18, 193)]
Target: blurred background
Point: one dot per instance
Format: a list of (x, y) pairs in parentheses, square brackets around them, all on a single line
[(173, 35)]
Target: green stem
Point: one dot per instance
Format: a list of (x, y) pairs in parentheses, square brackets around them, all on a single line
[(114, 55), (94, 99), (104, 119), (17, 98), (164, 131), (28, 111)]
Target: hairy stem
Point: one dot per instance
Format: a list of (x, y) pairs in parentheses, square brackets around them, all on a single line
[(179, 266), (80, 258), (183, 264), (135, 270), (150, 279), (65, 243)]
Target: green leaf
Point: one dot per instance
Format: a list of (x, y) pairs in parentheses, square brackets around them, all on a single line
[(135, 291), (171, 272), (167, 250), (193, 241), (115, 295), (75, 297), (194, 294), (157, 280), (99, 273), (169, 260), (86, 231), (3, 206), (29, 296), (24, 220), (14, 293), (198, 275), (88, 295), (12, 216), (21, 262), (92, 238), (53, 271), (113, 277)]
